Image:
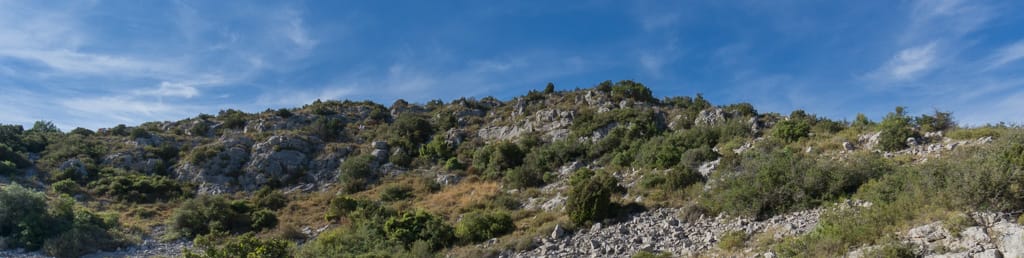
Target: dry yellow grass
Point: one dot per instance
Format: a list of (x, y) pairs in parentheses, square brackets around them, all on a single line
[(453, 200)]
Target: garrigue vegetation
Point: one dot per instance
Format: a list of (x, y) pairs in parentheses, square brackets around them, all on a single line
[(72, 193)]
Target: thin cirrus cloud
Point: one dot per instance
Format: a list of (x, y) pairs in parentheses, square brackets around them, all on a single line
[(909, 63)]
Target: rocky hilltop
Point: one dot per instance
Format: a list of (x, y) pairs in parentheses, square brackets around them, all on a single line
[(607, 171)]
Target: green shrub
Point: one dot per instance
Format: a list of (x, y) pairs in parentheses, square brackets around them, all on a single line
[(480, 226), (632, 90), (232, 119), (23, 217), (590, 196), (246, 245), (263, 219), (89, 233), (410, 227), (438, 149), (766, 184), (791, 130), (356, 172), (139, 188), (896, 129), (327, 128), (205, 214), (66, 186), (408, 131), (646, 254), (267, 198), (7, 168)]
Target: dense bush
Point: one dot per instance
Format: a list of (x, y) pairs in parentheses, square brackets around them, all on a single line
[(139, 188), (791, 130), (767, 184), (24, 221), (267, 198), (327, 128), (205, 214), (410, 227), (246, 245), (590, 196), (438, 149), (632, 90), (356, 172), (232, 119), (481, 226), (939, 121), (409, 130), (896, 128), (61, 229), (496, 158)]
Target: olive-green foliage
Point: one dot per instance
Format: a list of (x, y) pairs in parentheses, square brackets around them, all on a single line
[(73, 146), (60, 228), (232, 119), (263, 219), (480, 226), (140, 188), (66, 186), (673, 179), (939, 121), (138, 132), (358, 239), (7, 168), (896, 128), (766, 184), (268, 198), (208, 213), (10, 155), (742, 109), (791, 130), (23, 217), (438, 149), (590, 196), (396, 193), (356, 172), (283, 113), (632, 90), (550, 88), (409, 130), (88, 233), (327, 128), (246, 245), (410, 227), (985, 178), (495, 158)]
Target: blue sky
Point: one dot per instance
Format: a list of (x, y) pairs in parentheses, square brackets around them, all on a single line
[(101, 63)]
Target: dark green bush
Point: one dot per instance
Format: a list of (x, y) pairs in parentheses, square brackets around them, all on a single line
[(590, 196), (356, 172), (480, 226), (7, 168), (263, 219), (766, 184), (205, 214), (408, 131), (66, 186), (896, 128), (232, 119), (410, 227), (139, 188), (24, 221), (246, 245), (438, 149), (327, 128), (791, 130), (632, 90), (268, 198)]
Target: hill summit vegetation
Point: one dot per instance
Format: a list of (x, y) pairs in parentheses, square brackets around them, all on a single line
[(477, 177)]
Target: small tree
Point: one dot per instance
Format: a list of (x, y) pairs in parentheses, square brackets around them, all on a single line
[(549, 89), (895, 131), (590, 196)]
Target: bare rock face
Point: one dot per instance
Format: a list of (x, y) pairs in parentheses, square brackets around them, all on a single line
[(712, 116), (216, 174), (280, 159), (553, 124)]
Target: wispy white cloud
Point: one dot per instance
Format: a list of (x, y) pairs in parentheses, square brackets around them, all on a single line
[(909, 63), (171, 89), (1005, 55)]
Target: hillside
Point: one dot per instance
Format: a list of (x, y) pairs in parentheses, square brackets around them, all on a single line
[(609, 171)]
